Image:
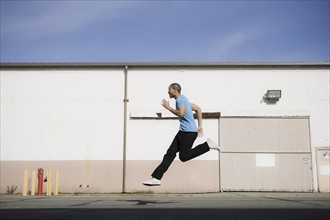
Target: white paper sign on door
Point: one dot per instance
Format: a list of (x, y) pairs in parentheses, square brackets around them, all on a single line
[(265, 160)]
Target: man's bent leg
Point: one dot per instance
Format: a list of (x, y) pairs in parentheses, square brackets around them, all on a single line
[(186, 142), (195, 152)]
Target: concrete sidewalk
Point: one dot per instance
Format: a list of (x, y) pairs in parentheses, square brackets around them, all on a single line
[(232, 205)]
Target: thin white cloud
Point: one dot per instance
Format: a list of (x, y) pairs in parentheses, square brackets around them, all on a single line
[(62, 17), (225, 45)]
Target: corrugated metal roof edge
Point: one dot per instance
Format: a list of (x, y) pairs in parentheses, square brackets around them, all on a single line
[(157, 64)]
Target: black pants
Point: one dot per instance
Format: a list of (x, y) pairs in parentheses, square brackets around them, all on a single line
[(182, 143)]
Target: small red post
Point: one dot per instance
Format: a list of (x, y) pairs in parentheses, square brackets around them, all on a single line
[(40, 180)]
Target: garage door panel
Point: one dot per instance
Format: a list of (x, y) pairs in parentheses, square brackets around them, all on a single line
[(265, 154), (265, 134), (291, 172)]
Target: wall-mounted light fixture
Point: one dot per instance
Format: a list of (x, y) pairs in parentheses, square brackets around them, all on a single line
[(272, 96)]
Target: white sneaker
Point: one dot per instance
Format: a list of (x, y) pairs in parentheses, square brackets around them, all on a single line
[(212, 145), (152, 182)]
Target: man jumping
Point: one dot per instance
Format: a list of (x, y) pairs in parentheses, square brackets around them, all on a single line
[(184, 139)]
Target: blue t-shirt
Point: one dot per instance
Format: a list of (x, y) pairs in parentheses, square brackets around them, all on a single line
[(187, 122)]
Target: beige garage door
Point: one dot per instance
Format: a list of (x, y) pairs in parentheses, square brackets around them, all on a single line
[(265, 154)]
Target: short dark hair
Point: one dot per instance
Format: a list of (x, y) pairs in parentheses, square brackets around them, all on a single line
[(176, 86)]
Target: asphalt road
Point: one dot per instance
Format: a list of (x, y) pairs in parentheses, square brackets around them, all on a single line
[(169, 206)]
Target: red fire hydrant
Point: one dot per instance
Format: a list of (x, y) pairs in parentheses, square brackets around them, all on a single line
[(40, 180)]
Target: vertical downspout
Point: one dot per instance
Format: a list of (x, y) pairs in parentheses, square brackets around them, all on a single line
[(125, 130), (219, 156)]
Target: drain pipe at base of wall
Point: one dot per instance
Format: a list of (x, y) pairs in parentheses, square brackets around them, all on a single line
[(126, 100)]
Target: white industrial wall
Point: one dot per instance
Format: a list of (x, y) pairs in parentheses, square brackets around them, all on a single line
[(66, 120), (61, 115), (231, 91), (239, 92), (50, 115)]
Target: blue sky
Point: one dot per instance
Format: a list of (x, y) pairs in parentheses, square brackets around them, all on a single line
[(165, 31)]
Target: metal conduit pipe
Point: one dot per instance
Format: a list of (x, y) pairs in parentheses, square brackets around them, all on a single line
[(125, 129)]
